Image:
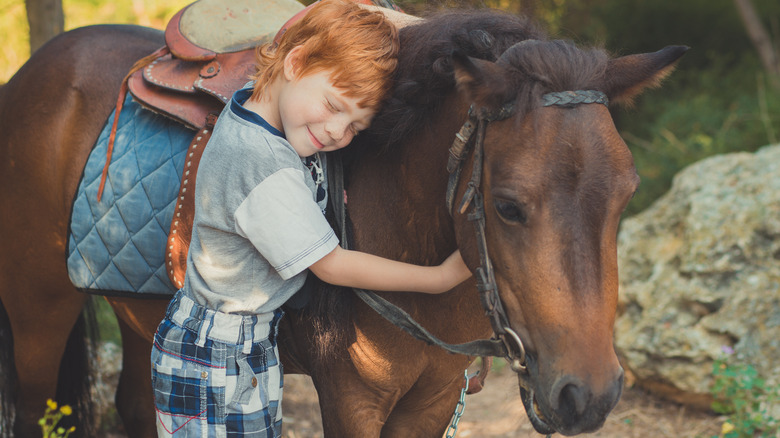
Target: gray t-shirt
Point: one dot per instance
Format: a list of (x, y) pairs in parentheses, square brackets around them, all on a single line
[(257, 225)]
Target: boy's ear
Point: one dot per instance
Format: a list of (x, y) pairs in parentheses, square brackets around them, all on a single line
[(293, 62)]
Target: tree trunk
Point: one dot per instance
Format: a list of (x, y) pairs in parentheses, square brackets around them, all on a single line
[(46, 20), (760, 38)]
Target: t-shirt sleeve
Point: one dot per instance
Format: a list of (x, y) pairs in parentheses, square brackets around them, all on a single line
[(285, 224)]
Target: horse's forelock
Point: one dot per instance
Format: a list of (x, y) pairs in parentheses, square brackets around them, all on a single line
[(549, 66)]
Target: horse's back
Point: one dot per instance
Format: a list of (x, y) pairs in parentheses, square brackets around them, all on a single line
[(52, 110), (85, 63)]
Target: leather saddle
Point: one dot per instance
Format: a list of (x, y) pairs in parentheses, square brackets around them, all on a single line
[(209, 52)]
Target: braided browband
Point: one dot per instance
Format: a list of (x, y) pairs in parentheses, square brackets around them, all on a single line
[(566, 99), (572, 98)]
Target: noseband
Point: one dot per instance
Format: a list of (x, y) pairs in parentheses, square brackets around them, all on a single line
[(486, 281), (506, 343)]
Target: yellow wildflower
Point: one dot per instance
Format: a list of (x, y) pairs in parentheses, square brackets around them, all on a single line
[(51, 404), (726, 428), (66, 410)]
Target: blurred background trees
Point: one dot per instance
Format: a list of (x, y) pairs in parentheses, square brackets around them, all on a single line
[(724, 96), (46, 19)]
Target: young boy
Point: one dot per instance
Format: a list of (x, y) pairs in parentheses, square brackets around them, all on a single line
[(259, 225)]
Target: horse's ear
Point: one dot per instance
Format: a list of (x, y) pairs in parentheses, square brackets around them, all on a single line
[(628, 76), (484, 83)]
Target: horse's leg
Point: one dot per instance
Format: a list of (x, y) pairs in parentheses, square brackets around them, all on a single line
[(350, 408), (435, 398), (133, 394), (138, 319), (41, 318)]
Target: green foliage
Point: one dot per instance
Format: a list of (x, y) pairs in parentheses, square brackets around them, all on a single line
[(745, 397), (106, 320), (728, 111), (14, 37), (52, 417), (717, 101)]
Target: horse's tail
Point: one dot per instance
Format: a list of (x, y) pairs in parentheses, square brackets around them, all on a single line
[(7, 375), (76, 375)]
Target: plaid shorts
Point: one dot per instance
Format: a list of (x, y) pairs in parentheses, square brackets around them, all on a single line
[(216, 374)]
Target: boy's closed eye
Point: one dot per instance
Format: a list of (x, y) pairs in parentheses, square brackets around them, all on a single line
[(332, 108), (353, 129)]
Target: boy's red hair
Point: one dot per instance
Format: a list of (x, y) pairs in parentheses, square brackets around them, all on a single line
[(360, 48)]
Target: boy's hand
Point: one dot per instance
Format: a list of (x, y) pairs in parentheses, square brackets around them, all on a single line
[(454, 270), (399, 19)]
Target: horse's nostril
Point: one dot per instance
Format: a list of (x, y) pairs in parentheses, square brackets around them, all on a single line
[(574, 398), (569, 396)]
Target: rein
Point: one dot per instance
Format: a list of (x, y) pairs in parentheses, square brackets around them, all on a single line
[(506, 342), (397, 316)]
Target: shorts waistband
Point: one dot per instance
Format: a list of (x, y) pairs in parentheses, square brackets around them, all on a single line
[(224, 327)]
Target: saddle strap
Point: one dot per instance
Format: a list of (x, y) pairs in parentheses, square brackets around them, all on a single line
[(184, 213), (141, 63)]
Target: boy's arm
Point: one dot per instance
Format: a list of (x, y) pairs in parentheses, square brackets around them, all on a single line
[(399, 19), (362, 270)]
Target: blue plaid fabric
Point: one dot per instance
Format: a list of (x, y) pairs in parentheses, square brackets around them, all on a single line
[(216, 374)]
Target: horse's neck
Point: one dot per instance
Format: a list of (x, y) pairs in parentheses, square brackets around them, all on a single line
[(398, 209), (398, 200)]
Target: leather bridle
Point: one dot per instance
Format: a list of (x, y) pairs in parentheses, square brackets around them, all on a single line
[(485, 277)]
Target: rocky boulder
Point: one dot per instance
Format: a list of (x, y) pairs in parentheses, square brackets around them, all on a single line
[(700, 274)]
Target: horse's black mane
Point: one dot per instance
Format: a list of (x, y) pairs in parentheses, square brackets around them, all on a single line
[(425, 73)]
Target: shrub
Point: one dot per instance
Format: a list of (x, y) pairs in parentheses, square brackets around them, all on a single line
[(751, 405)]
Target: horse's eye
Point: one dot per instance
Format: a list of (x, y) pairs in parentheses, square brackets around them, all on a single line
[(510, 212)]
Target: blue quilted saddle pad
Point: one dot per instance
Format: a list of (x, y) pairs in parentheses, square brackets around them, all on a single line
[(117, 246)]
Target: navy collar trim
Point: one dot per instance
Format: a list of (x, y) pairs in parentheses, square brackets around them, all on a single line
[(237, 106)]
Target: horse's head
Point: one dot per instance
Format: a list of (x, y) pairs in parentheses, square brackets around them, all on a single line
[(556, 177)]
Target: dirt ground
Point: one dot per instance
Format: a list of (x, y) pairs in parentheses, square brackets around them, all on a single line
[(496, 412)]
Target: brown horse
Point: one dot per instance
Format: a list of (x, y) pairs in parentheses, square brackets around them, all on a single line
[(555, 179)]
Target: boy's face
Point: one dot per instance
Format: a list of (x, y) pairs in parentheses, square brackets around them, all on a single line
[(316, 116)]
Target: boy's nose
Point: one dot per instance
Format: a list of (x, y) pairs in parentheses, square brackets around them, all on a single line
[(337, 130)]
